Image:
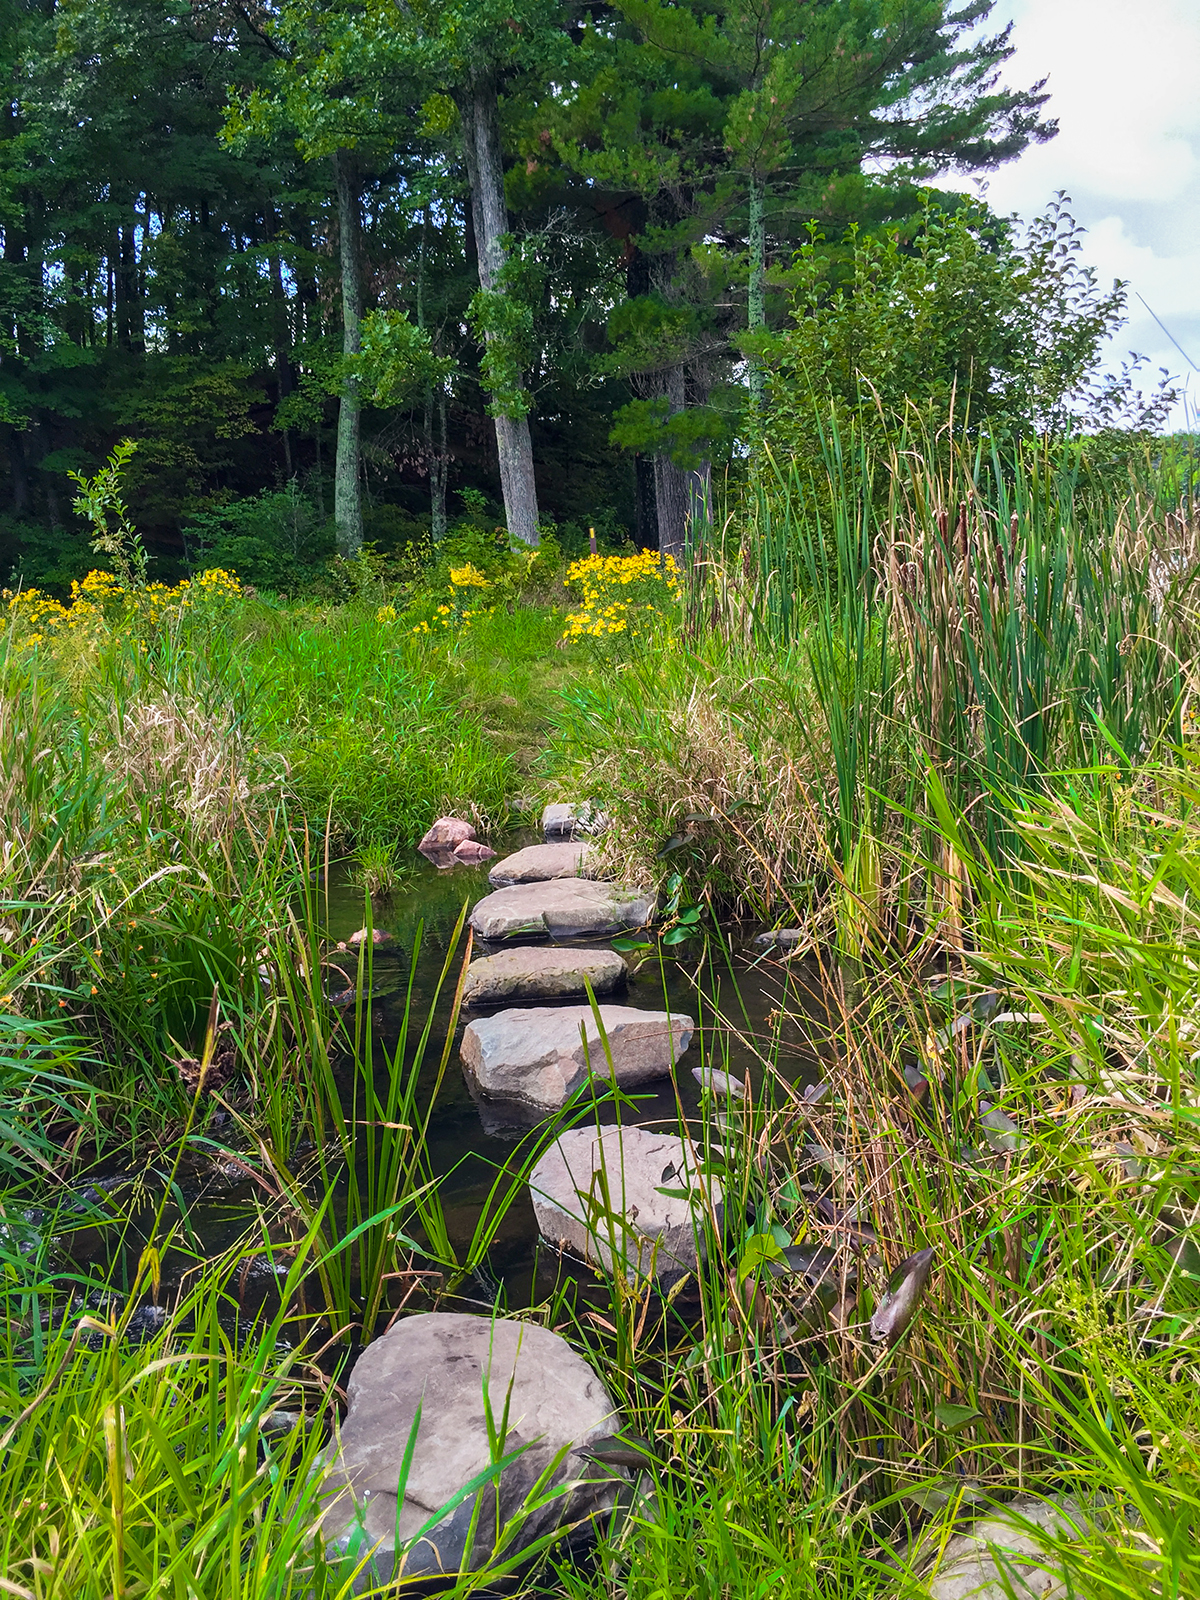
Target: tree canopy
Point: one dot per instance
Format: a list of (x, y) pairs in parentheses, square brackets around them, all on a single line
[(540, 249)]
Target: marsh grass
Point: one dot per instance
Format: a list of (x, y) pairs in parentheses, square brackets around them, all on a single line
[(1045, 1150), (982, 769)]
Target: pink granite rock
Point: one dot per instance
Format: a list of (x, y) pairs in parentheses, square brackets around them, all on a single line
[(446, 833), (472, 852)]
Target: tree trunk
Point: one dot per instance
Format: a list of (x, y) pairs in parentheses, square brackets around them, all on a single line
[(485, 174), (347, 476), (671, 489), (439, 472), (756, 313), (435, 405), (645, 509), (131, 328), (283, 341)]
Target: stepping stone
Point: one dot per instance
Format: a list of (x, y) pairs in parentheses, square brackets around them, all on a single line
[(539, 863), (659, 1234), (535, 972), (440, 1361), (445, 833), (563, 908), (535, 1060), (572, 820)]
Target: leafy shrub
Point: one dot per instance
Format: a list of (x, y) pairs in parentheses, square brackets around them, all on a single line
[(278, 539)]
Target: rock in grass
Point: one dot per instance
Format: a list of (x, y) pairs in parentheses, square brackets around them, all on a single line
[(1008, 1553), (538, 863), (535, 1060), (445, 833), (441, 1361), (563, 908), (571, 819), (713, 1081), (538, 972), (780, 939), (650, 1232)]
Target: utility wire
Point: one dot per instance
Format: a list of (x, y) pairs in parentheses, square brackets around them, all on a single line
[(1170, 336)]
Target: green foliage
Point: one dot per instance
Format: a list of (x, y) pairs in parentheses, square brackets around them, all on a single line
[(99, 500), (277, 540), (963, 319), (506, 324), (687, 437), (395, 359)]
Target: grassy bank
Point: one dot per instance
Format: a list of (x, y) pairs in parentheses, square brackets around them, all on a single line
[(939, 720)]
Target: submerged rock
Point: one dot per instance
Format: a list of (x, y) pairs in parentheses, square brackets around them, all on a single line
[(563, 908), (441, 1361), (377, 936), (780, 939), (568, 819), (535, 972), (471, 852), (446, 833), (537, 1059), (538, 863), (659, 1234)]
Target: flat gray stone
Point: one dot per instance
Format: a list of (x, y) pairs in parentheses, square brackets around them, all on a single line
[(540, 972), (659, 1235), (572, 819), (998, 1558), (563, 908), (440, 1361), (537, 1059), (780, 938), (539, 863)]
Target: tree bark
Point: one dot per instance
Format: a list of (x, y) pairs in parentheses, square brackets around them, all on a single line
[(435, 406), (671, 489), (645, 509), (756, 313), (282, 337), (347, 476), (480, 113)]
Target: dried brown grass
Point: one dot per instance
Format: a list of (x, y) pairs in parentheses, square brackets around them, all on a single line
[(170, 754)]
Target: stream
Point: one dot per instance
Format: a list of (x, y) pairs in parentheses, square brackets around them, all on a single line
[(215, 1198)]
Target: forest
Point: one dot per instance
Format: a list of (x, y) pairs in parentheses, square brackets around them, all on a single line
[(598, 851)]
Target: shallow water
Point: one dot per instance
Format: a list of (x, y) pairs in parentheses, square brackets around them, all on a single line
[(732, 999), (731, 1002)]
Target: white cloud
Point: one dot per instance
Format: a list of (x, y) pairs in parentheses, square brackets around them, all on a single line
[(1169, 283), (1122, 84), (1122, 81)]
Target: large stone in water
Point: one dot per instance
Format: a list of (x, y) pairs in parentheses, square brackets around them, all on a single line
[(445, 833), (571, 819), (537, 1059), (563, 908), (440, 1361), (538, 863), (536, 972), (658, 1234)]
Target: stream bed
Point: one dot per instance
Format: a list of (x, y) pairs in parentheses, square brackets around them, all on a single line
[(734, 1001)]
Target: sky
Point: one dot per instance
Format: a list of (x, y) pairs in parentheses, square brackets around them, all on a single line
[(1125, 87)]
